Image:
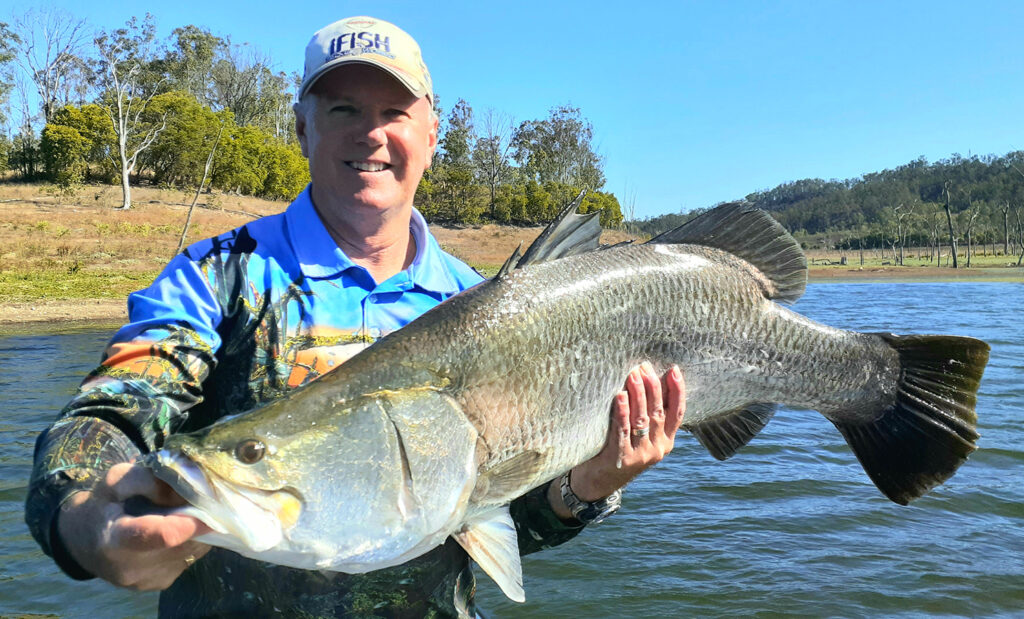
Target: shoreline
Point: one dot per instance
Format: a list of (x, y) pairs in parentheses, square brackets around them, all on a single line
[(70, 315)]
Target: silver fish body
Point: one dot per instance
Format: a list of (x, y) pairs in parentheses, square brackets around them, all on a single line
[(434, 429)]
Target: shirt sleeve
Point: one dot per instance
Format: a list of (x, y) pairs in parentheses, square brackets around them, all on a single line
[(537, 524), (150, 375)]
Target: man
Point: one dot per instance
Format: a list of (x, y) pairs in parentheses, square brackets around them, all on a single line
[(240, 319)]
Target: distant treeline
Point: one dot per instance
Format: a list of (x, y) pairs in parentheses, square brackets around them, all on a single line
[(962, 200), (200, 110)]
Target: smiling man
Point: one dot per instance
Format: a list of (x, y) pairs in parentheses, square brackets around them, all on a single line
[(240, 319)]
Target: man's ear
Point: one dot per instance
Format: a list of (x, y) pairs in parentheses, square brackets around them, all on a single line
[(300, 125), (432, 139)]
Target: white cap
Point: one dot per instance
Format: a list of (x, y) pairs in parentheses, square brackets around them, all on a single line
[(369, 41)]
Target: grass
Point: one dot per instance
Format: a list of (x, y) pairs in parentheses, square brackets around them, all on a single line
[(25, 286), (79, 246)]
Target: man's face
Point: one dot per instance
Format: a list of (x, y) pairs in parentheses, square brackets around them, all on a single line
[(367, 138)]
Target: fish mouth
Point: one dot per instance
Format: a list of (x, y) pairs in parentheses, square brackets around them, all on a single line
[(241, 517)]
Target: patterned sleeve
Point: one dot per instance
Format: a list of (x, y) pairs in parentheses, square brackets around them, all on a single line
[(149, 377), (537, 524)]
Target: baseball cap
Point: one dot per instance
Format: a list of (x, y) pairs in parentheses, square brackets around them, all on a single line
[(369, 41)]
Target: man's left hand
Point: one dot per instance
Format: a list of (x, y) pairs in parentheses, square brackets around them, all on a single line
[(645, 418)]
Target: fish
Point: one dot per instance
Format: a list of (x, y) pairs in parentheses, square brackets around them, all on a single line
[(434, 429)]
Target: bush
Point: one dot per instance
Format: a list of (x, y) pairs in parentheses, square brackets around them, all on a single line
[(63, 150)]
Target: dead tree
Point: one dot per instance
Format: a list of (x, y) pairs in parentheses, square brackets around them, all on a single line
[(949, 223)]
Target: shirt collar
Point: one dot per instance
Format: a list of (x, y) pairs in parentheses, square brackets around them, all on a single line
[(319, 256)]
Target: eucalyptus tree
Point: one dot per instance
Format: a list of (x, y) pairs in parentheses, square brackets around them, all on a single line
[(456, 196), (125, 83), (559, 149), (491, 153), (50, 43)]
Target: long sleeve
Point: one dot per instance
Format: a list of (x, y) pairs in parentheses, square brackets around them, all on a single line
[(150, 376), (537, 525)]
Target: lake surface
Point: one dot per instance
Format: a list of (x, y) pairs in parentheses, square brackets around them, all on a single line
[(790, 526)]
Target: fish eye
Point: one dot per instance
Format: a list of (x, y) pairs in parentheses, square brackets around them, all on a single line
[(250, 451)]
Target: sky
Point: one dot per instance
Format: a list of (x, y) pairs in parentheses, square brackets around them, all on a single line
[(692, 103)]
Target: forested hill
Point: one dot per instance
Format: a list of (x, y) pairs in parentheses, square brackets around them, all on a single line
[(985, 196)]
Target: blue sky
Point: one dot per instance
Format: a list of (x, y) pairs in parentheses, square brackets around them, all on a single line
[(693, 103)]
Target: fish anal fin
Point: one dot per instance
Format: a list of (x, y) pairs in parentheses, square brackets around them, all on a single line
[(929, 430), (753, 235), (725, 433), (509, 479), (491, 540)]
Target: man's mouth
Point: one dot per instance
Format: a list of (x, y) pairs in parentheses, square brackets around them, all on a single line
[(368, 166)]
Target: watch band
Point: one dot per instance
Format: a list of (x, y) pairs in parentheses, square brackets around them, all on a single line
[(588, 512)]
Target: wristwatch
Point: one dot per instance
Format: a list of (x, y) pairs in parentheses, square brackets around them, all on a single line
[(589, 512)]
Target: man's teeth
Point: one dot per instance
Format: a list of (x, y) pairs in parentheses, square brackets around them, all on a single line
[(367, 166)]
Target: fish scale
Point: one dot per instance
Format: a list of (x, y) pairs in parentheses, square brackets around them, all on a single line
[(434, 429)]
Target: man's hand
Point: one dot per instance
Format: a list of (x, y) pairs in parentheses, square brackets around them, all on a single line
[(645, 418), (143, 552)]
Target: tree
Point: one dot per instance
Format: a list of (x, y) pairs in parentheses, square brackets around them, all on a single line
[(901, 221), (63, 150), (125, 55), (177, 154), (949, 223), (8, 51), (559, 149), (49, 44), (456, 196), (244, 83), (189, 63), (491, 153), (92, 123)]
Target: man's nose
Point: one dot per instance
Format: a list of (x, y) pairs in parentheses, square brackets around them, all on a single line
[(371, 131)]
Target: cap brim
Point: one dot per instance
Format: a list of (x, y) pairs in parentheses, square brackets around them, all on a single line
[(337, 62)]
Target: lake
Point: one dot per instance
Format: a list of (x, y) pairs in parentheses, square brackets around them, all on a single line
[(790, 526)]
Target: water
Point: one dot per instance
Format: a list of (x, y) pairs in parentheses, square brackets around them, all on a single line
[(790, 526)]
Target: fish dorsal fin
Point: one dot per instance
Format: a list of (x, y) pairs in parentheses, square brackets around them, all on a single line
[(568, 235), (509, 479), (751, 234), (491, 540), (724, 434)]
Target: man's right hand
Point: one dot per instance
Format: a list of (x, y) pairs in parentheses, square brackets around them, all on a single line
[(143, 552)]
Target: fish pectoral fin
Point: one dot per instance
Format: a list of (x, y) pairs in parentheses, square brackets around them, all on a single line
[(509, 479), (491, 540), (725, 433)]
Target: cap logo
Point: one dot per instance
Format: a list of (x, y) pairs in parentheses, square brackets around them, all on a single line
[(355, 43)]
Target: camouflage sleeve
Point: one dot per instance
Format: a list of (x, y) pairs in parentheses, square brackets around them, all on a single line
[(150, 375), (537, 524)]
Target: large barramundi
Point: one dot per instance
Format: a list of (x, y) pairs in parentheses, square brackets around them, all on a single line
[(434, 429)]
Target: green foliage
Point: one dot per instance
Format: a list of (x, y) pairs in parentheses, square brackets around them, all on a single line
[(92, 123), (63, 150), (455, 196), (287, 170), (559, 149), (178, 154)]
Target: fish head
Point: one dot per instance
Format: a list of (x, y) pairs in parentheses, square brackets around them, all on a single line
[(361, 485)]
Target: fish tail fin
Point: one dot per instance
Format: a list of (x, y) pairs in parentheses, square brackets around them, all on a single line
[(921, 439)]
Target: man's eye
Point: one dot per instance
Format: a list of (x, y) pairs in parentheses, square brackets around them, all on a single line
[(343, 109), (396, 113)]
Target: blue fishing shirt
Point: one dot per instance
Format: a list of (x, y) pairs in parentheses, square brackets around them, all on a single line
[(234, 322)]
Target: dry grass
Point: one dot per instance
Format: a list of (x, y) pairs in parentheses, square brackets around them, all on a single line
[(69, 244), (487, 246), (55, 248)]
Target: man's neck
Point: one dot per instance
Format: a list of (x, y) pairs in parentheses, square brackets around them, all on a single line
[(379, 241)]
